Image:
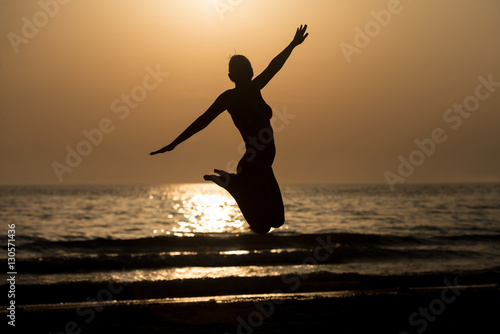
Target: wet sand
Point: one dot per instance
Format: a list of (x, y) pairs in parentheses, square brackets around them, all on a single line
[(440, 309)]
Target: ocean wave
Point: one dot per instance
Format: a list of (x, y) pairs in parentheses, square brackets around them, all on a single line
[(213, 242), (229, 241), (212, 250), (337, 255)]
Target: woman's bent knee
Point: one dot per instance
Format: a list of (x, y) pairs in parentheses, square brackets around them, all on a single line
[(260, 229)]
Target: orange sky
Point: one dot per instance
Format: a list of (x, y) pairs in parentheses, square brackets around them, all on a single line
[(351, 104)]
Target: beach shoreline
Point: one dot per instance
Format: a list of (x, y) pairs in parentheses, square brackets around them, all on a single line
[(318, 282), (457, 309)]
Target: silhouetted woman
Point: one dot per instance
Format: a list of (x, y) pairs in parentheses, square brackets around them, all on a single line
[(254, 186)]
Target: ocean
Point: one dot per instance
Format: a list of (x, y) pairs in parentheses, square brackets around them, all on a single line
[(99, 233)]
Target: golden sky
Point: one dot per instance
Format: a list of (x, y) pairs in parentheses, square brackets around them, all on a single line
[(406, 91)]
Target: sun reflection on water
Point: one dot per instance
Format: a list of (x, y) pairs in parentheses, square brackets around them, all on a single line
[(207, 272), (196, 208)]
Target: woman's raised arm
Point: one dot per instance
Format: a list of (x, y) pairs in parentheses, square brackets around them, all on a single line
[(277, 63)]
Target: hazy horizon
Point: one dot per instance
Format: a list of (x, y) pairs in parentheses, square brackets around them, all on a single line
[(283, 184), (403, 90)]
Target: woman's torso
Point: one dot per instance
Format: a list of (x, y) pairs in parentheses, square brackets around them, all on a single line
[(250, 113)]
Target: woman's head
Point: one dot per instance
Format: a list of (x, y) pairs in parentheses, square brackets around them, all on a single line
[(240, 69)]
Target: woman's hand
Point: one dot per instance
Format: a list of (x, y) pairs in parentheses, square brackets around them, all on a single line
[(167, 148), (300, 35)]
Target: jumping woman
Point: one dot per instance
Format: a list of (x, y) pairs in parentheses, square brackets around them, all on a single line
[(254, 186)]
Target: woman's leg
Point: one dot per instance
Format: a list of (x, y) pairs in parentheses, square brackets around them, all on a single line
[(257, 193), (246, 191), (275, 200)]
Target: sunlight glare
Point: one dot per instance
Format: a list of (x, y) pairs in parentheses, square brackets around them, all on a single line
[(206, 209)]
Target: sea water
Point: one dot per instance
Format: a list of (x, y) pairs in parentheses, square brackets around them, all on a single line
[(194, 231)]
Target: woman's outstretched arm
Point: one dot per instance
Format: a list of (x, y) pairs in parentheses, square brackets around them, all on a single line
[(277, 63), (199, 124)]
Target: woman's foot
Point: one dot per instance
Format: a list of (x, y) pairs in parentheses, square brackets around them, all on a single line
[(222, 180)]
